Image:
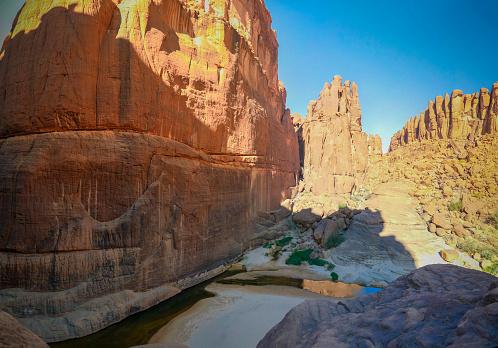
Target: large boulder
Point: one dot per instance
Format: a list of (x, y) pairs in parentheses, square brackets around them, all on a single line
[(140, 142), (435, 306)]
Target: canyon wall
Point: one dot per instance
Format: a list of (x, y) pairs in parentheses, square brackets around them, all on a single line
[(336, 150), (142, 143), (459, 116)]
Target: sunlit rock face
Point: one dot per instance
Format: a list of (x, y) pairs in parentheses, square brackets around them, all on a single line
[(140, 141), (336, 150), (457, 116)]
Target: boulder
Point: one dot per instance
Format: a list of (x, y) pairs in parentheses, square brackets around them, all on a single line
[(434, 306), (331, 228), (305, 218), (460, 231), (449, 255), (442, 221), (432, 228)]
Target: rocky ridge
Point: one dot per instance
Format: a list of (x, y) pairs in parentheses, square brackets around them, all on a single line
[(457, 116), (143, 144)]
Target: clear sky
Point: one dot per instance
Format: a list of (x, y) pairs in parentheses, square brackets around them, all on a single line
[(8, 11), (401, 53)]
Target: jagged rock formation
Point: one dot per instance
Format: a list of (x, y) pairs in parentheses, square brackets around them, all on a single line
[(335, 148), (374, 147), (141, 143), (459, 116), (435, 306)]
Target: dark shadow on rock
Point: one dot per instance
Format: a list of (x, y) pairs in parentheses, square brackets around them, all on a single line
[(107, 191), (355, 236)]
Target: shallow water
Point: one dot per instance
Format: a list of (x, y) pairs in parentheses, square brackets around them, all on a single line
[(141, 327)]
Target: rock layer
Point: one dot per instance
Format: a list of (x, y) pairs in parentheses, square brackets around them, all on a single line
[(141, 143), (435, 306), (459, 116), (336, 149)]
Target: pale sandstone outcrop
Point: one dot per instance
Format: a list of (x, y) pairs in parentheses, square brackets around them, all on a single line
[(435, 306), (459, 116), (336, 150), (141, 143)]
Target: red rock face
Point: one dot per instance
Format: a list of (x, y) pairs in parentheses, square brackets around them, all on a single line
[(336, 151), (459, 116), (140, 141)]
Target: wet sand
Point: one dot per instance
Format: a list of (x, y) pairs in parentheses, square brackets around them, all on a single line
[(238, 316)]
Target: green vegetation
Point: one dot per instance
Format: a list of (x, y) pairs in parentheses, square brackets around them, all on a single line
[(472, 246), (283, 241), (493, 269), (279, 243), (268, 245), (321, 263), (334, 276), (455, 205), (318, 262), (299, 256), (334, 241)]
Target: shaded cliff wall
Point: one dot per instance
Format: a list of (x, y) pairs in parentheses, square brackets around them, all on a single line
[(140, 142)]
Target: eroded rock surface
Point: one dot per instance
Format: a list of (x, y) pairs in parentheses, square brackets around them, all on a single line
[(336, 150), (142, 143), (435, 306), (455, 116)]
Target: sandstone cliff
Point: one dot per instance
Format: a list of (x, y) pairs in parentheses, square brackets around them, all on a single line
[(141, 143), (336, 150), (459, 116)]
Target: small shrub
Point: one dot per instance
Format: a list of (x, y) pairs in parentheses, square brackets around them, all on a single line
[(318, 262), (334, 241), (455, 206), (298, 257), (330, 266), (283, 241), (334, 276), (493, 269), (268, 245)]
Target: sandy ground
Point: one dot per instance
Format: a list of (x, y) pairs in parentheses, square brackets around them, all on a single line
[(239, 316)]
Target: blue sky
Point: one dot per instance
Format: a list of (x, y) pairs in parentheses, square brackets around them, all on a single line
[(401, 53)]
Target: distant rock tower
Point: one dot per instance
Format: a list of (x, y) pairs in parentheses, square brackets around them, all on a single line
[(336, 150)]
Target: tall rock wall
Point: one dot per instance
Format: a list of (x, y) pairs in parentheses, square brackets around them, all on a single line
[(140, 142), (459, 116), (336, 150)]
